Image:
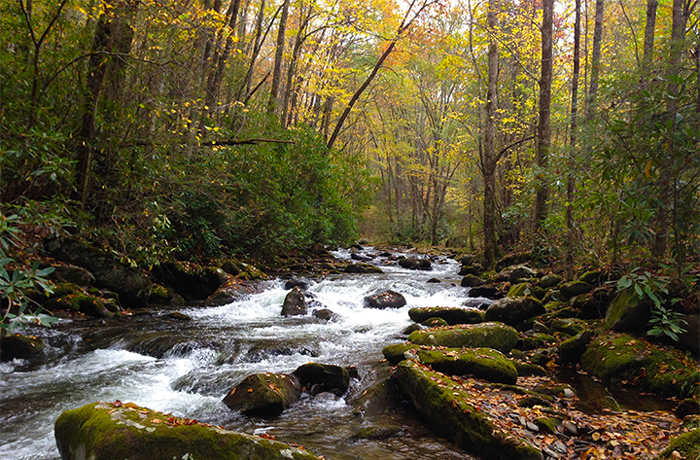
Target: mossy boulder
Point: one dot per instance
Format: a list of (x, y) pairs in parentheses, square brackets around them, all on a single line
[(513, 311), (116, 431), (72, 274), (488, 292), (532, 340), (264, 394), (574, 288), (133, 287), (385, 299), (317, 378), (445, 405), (191, 281), (434, 322), (519, 290), (594, 277), (613, 357), (452, 315), (568, 326), (482, 363), (687, 445), (295, 303), (549, 281), (20, 346), (470, 280), (520, 273), (588, 307), (469, 270), (628, 313), (513, 259), (71, 297), (572, 349), (498, 336)]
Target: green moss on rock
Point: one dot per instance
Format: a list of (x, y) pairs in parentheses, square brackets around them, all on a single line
[(687, 444), (445, 405), (118, 431), (489, 335), (452, 315), (434, 322), (519, 290)]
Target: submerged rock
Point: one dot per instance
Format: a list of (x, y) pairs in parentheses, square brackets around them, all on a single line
[(264, 394), (116, 431), (386, 299), (498, 336)]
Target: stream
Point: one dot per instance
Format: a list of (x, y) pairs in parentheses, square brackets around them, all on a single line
[(186, 368)]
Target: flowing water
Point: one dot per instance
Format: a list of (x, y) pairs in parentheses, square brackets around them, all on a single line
[(186, 368)]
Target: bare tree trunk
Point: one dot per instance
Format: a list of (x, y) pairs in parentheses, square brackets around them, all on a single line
[(595, 58), (571, 177), (279, 56), (543, 126), (489, 158), (649, 32)]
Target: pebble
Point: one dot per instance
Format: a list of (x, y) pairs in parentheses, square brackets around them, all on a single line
[(560, 447), (569, 428), (550, 453), (532, 427)]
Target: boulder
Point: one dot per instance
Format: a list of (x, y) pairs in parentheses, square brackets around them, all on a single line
[(133, 287), (521, 273), (574, 288), (116, 431), (319, 378), (71, 297), (414, 263), (264, 394), (446, 406), (519, 290), (160, 295), (549, 281), (72, 274), (594, 277), (513, 259), (386, 299), (470, 280), (434, 322), (362, 268), (294, 303), (191, 281), (20, 347), (513, 311), (469, 270), (690, 339), (325, 314), (571, 350), (482, 363), (488, 335), (685, 446), (452, 315), (628, 313), (295, 282), (488, 292)]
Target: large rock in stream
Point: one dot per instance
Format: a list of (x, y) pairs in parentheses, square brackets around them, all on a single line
[(264, 394), (386, 299), (452, 315), (295, 303), (446, 407), (498, 336), (133, 287), (116, 431)]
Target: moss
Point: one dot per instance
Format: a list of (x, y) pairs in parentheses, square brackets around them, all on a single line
[(489, 335), (534, 341), (627, 312), (547, 424), (452, 315), (687, 444), (529, 369), (20, 347), (549, 281), (446, 406), (571, 350), (594, 277), (470, 280), (568, 326), (574, 288), (434, 322), (126, 431), (519, 290)]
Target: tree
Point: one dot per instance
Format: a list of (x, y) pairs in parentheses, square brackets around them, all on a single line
[(570, 177)]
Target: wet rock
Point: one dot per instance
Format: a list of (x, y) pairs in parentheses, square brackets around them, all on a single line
[(571, 350), (471, 281), (116, 431), (628, 313), (512, 311), (176, 315), (362, 268), (445, 405), (434, 322), (72, 274), (191, 281), (294, 303), (521, 273), (532, 340), (452, 315), (414, 263), (133, 287), (482, 363), (411, 328), (469, 270), (434, 280), (264, 394), (20, 347), (488, 335), (160, 295), (295, 282), (574, 288), (323, 377), (71, 297), (325, 314), (488, 292), (377, 432), (386, 299)]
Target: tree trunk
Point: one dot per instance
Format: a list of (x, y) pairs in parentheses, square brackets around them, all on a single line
[(489, 159), (279, 56), (649, 32), (543, 126), (595, 58), (571, 176)]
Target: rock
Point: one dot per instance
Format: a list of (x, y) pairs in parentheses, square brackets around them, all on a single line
[(16, 346), (325, 314), (191, 281), (362, 268), (690, 339), (116, 431), (452, 315), (549, 281), (414, 263), (295, 303), (176, 315), (513, 259), (386, 299), (72, 274), (628, 313), (594, 277), (70, 297), (445, 405), (411, 328), (434, 322), (512, 311), (488, 292), (588, 307), (434, 280), (533, 340), (160, 295), (291, 284), (469, 270), (687, 445), (471, 281), (482, 363), (574, 288), (133, 287), (568, 326), (571, 350), (488, 335), (323, 377), (521, 273), (264, 394), (377, 432), (687, 407), (519, 290)]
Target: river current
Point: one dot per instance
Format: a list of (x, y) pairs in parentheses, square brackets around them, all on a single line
[(186, 368)]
